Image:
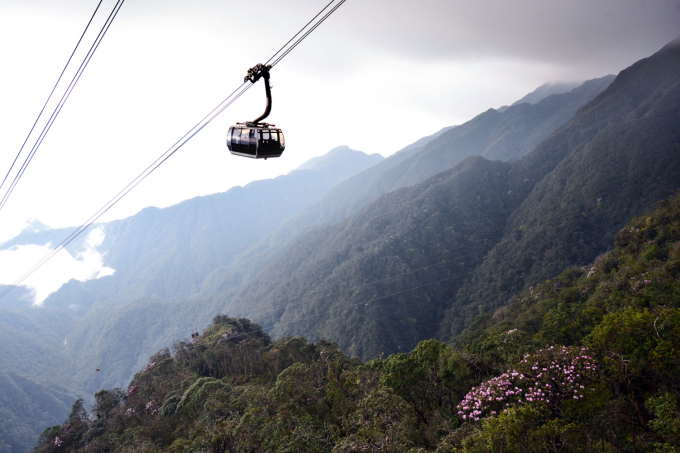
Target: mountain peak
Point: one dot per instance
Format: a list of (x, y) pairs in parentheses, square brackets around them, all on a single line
[(332, 157), (34, 226), (546, 90)]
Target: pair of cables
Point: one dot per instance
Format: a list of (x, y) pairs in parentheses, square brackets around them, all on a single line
[(300, 36), (60, 104)]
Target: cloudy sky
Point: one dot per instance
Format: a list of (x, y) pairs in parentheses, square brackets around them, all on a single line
[(378, 75)]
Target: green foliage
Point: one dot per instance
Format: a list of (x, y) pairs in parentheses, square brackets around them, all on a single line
[(527, 428), (666, 421), (626, 309), (607, 381), (382, 421)]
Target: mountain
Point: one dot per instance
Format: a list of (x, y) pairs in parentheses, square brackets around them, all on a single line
[(397, 260), (441, 225), (127, 335), (169, 252), (271, 273), (34, 380), (495, 135), (331, 208), (342, 162), (201, 243), (613, 160), (481, 231), (546, 90), (565, 367)]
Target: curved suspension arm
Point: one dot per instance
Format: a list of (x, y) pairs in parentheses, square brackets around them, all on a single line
[(254, 74), (268, 91)]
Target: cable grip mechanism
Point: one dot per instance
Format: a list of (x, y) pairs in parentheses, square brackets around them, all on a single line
[(256, 72)]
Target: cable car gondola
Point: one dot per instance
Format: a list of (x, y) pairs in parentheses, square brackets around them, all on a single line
[(255, 139)]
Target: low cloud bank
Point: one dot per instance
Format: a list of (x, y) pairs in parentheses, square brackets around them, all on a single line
[(88, 264)]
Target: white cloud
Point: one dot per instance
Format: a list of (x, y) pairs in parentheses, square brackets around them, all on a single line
[(86, 265)]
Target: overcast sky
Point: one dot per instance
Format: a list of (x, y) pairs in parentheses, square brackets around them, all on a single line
[(378, 75)]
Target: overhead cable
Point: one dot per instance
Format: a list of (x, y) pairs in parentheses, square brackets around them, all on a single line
[(50, 95), (174, 148), (62, 101)]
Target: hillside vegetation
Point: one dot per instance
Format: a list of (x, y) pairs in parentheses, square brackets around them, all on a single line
[(585, 362), (34, 376), (616, 158)]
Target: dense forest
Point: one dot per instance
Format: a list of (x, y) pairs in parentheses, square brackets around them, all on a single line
[(586, 361)]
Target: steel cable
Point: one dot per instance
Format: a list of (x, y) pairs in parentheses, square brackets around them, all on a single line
[(167, 154), (62, 101), (50, 95)]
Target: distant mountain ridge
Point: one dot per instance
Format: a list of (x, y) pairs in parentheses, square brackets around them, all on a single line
[(545, 90), (494, 135), (169, 252)]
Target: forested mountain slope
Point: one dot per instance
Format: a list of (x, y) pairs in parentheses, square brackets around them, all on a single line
[(444, 225), (494, 135), (34, 375), (323, 212), (320, 287), (585, 362), (619, 155)]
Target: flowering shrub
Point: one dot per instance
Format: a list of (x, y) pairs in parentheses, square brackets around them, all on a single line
[(150, 406), (548, 378), (132, 390), (149, 367), (58, 442)]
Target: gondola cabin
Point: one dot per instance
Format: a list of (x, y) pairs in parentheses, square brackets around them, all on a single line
[(257, 141)]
